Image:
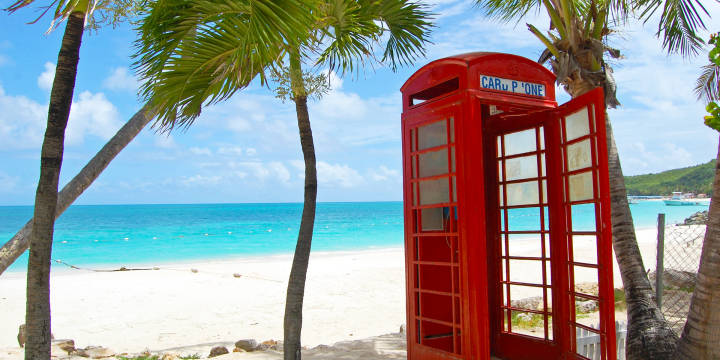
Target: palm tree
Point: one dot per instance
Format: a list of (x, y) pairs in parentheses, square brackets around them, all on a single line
[(195, 53), (37, 312), (575, 49), (701, 334), (19, 242)]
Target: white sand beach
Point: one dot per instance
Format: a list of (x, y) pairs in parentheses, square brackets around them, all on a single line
[(349, 295)]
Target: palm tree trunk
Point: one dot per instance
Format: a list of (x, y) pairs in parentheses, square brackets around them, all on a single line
[(37, 312), (19, 243), (701, 335), (301, 259), (649, 336)]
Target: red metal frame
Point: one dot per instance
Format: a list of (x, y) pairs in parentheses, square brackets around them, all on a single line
[(453, 273)]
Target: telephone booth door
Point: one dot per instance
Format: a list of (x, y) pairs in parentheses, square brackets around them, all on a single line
[(546, 174)]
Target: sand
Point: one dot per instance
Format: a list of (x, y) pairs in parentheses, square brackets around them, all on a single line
[(349, 295)]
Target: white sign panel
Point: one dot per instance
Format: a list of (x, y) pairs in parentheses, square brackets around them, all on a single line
[(513, 86)]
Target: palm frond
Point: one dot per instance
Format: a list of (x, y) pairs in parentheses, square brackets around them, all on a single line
[(355, 27), (679, 22), (409, 26), (508, 10), (192, 53), (707, 86)]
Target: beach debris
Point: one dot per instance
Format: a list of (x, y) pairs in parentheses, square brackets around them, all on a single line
[(698, 218), (156, 268), (170, 356), (677, 279), (21, 335), (585, 307), (217, 351), (530, 303), (238, 350), (67, 345), (270, 345), (590, 288), (94, 352), (247, 344), (237, 275), (194, 271), (402, 329)]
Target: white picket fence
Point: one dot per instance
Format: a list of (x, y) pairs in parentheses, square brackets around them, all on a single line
[(588, 343)]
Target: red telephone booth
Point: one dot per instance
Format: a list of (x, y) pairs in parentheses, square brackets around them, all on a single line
[(507, 214)]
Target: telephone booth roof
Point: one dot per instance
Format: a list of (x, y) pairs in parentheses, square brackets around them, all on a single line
[(493, 76)]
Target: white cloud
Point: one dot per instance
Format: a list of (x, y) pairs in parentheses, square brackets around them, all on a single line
[(121, 79), (279, 171), (22, 122), (45, 80), (383, 173), (230, 150), (92, 114), (250, 151), (200, 151), (337, 174), (201, 180)]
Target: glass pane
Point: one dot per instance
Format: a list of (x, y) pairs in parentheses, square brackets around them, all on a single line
[(586, 312), (452, 130), (577, 125), (527, 271), (499, 147), (413, 173), (586, 280), (543, 172), (521, 168), (588, 343), (579, 155), (542, 138), (454, 188), (433, 163), (432, 135), (412, 140), (527, 245), (581, 186), (526, 297), (524, 219), (524, 193), (434, 191), (584, 248), (414, 194), (452, 159), (432, 219), (520, 142), (544, 192), (583, 217), (502, 195)]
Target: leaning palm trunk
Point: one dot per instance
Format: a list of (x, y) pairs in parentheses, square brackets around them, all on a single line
[(701, 334), (649, 335), (296, 283), (19, 243), (37, 311)]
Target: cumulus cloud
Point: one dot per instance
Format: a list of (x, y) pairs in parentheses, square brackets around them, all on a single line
[(22, 122), (165, 141), (45, 80), (121, 79), (338, 174), (92, 114)]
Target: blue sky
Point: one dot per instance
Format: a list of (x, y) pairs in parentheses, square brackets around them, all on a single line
[(247, 149)]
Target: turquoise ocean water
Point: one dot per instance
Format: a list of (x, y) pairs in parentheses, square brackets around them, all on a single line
[(149, 234)]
